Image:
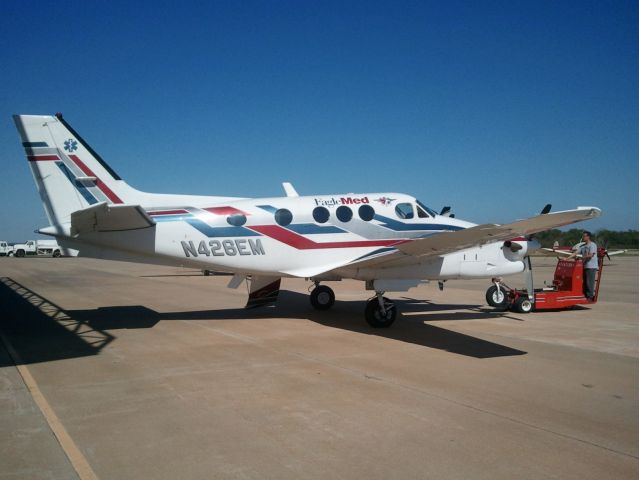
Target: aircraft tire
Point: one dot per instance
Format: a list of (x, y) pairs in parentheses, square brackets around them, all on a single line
[(322, 297), (523, 305), (495, 300), (374, 315)]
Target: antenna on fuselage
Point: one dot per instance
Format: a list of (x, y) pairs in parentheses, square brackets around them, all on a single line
[(290, 190)]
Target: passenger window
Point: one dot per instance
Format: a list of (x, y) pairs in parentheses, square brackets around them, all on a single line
[(283, 217), (421, 213), (366, 213), (236, 220), (404, 210), (344, 214), (321, 214)]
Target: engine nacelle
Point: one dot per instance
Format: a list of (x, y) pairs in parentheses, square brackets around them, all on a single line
[(518, 248)]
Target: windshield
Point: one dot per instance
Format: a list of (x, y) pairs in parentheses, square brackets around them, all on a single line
[(430, 211)]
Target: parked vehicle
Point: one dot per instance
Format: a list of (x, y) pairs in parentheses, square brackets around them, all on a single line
[(37, 247), (5, 249)]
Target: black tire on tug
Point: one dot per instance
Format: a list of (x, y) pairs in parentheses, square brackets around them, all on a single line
[(322, 297), (497, 299), (523, 304), (374, 315)]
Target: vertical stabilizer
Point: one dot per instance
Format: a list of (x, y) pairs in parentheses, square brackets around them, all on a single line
[(69, 174)]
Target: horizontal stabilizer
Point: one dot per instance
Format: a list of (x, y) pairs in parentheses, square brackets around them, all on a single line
[(109, 218)]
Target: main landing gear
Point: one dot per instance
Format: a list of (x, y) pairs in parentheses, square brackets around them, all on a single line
[(380, 311), (322, 297)]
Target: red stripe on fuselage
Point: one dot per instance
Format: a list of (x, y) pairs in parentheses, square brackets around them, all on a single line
[(99, 183), (225, 211), (302, 243), (40, 158)]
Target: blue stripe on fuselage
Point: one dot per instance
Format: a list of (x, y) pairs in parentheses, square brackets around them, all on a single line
[(403, 227), (311, 228), (229, 231)]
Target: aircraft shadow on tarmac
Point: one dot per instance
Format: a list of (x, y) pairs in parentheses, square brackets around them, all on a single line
[(41, 331)]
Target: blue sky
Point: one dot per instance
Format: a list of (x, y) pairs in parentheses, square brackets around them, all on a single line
[(495, 108)]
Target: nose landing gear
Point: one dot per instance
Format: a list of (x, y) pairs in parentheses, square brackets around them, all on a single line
[(496, 295)]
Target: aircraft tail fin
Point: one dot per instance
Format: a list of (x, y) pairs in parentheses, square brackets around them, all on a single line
[(69, 174)]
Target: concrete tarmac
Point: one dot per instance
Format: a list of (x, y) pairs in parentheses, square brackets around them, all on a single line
[(156, 372)]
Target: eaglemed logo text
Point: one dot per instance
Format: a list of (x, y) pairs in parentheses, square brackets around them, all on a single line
[(331, 202)]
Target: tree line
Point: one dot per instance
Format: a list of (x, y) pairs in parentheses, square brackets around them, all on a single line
[(605, 238)]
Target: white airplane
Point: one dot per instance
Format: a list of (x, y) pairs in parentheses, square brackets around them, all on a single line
[(391, 241)]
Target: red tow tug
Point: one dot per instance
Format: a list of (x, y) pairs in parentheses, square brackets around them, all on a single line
[(566, 291)]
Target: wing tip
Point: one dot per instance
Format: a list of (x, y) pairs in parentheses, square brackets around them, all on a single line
[(592, 211)]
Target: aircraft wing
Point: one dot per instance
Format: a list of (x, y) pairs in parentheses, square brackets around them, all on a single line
[(103, 217), (451, 241), (448, 242)]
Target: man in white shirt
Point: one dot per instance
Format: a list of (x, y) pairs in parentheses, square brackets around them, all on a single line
[(588, 252)]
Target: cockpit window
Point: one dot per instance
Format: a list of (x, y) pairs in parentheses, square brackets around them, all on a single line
[(404, 210), (421, 213), (430, 211)]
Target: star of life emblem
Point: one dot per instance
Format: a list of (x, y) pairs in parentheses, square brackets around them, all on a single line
[(70, 145)]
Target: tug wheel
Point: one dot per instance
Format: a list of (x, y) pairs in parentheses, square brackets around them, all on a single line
[(496, 297), (523, 304)]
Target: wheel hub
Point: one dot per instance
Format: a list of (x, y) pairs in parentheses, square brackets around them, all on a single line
[(323, 298)]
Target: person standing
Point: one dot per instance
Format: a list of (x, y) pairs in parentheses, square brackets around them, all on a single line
[(588, 252)]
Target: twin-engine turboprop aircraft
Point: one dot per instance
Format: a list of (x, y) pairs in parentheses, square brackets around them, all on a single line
[(391, 241)]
